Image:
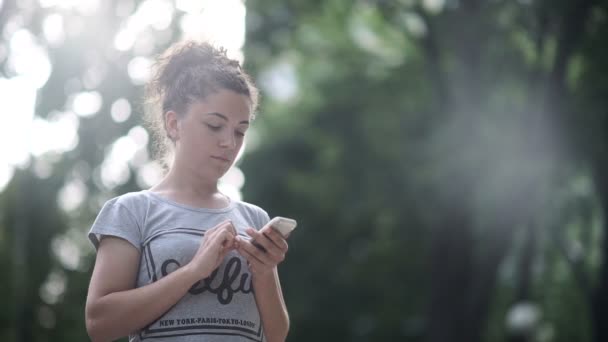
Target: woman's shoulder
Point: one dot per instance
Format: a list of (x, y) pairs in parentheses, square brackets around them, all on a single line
[(252, 210), (130, 200), (248, 206)]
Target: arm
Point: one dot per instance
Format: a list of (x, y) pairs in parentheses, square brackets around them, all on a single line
[(115, 308), (265, 280), (269, 297)]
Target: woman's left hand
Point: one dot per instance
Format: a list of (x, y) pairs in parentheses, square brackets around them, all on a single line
[(263, 262)]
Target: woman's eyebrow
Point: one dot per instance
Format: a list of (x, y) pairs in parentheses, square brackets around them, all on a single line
[(220, 115)]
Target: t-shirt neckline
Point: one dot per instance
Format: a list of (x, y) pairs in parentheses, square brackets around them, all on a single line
[(189, 207)]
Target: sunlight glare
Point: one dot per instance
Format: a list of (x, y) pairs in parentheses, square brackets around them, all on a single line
[(149, 174), (42, 168), (230, 191), (84, 7), (523, 317), (363, 35), (280, 81), (114, 174), (234, 177), (18, 97), (11, 25), (433, 6), (124, 39), (124, 8), (139, 70), (123, 150), (28, 59), (190, 6), (87, 103), (52, 27), (140, 137), (67, 252), (121, 110), (59, 134), (157, 14), (115, 167), (220, 22), (72, 195), (53, 288), (6, 174), (414, 24)]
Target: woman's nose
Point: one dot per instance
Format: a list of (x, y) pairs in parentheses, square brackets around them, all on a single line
[(228, 141)]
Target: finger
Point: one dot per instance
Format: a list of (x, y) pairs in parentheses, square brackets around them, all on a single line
[(233, 229), (252, 259), (246, 248), (226, 247), (276, 252), (267, 244), (224, 239), (229, 226), (276, 238), (220, 226), (210, 234), (229, 238)]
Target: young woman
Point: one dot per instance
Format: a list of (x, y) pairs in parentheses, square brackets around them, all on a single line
[(176, 262)]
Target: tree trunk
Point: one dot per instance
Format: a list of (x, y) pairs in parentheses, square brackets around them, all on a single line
[(599, 298), (451, 271), (484, 280), (20, 266), (524, 278)]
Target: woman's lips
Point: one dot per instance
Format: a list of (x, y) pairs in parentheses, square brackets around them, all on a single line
[(225, 160)]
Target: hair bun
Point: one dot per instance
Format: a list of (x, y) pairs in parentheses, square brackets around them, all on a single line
[(182, 58)]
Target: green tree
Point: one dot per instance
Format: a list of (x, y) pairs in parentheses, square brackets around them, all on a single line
[(444, 159), (438, 127)]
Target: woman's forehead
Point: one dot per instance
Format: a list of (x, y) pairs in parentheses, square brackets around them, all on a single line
[(227, 103)]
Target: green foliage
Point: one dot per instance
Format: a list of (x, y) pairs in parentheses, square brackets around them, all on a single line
[(437, 176)]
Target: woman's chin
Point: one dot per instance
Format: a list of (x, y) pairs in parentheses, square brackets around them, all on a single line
[(220, 172)]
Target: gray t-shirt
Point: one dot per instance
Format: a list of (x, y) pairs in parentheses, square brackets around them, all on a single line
[(168, 234)]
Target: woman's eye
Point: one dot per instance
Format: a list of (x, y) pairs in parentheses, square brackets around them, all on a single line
[(214, 127), (239, 133)]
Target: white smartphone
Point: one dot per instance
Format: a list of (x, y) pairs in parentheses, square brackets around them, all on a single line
[(283, 225)]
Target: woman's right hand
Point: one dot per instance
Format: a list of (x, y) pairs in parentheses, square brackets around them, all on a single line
[(216, 244)]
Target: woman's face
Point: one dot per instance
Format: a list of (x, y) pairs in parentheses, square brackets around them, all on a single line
[(211, 133)]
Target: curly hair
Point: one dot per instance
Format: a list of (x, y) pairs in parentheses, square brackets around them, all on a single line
[(186, 72)]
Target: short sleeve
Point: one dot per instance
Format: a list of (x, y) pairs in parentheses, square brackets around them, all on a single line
[(115, 219), (262, 218)]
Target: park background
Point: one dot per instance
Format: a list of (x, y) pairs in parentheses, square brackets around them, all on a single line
[(446, 159)]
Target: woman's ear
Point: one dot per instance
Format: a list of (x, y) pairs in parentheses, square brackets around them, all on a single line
[(171, 125)]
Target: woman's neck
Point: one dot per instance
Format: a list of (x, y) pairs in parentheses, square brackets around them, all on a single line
[(187, 188)]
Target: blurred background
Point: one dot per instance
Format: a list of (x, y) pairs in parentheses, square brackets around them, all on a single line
[(446, 159)]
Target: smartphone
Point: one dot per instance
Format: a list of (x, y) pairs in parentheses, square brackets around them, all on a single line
[(283, 225)]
